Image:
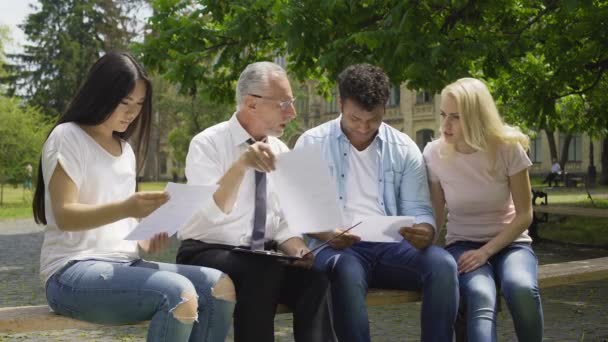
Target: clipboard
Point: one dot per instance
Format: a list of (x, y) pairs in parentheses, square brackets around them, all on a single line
[(289, 258), (271, 254)]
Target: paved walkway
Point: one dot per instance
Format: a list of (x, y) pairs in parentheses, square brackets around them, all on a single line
[(572, 313)]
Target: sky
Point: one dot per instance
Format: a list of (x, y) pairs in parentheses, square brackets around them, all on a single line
[(13, 13)]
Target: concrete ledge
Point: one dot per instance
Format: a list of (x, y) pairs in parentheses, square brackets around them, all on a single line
[(39, 318)]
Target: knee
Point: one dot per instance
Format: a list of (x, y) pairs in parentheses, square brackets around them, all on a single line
[(480, 296), (443, 266), (187, 310), (224, 289), (346, 272), (519, 291)]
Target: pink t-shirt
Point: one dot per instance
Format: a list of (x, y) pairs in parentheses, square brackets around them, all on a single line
[(478, 199)]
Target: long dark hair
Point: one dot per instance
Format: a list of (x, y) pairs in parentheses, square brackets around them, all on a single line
[(109, 81)]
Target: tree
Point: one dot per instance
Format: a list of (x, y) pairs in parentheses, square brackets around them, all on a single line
[(67, 37), (4, 39), (180, 117), (22, 133), (206, 43), (537, 55)]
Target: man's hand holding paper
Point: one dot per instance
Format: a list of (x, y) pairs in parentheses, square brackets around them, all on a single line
[(419, 235)]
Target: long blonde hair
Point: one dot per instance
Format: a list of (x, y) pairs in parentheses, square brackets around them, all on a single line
[(482, 126)]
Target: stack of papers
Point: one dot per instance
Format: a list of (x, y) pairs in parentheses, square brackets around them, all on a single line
[(185, 201), (308, 197)]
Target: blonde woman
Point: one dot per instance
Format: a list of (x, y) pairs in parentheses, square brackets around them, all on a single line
[(478, 170)]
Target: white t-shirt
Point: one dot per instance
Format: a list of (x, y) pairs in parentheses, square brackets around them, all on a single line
[(100, 178), (479, 201), (362, 195)]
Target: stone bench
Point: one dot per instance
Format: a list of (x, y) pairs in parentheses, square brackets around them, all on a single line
[(39, 318)]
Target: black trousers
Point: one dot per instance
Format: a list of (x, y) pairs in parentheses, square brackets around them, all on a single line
[(551, 177), (261, 284)]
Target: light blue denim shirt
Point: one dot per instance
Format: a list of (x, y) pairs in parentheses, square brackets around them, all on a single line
[(402, 181)]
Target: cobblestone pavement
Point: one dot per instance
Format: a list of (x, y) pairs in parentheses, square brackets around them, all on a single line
[(572, 313)]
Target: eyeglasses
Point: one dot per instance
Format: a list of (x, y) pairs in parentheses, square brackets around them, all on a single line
[(285, 105)]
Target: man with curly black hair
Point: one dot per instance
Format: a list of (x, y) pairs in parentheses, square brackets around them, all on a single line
[(380, 171)]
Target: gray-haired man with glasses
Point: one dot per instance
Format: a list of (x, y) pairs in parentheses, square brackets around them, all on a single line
[(244, 212)]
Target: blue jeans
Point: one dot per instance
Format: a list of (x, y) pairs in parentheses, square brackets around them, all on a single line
[(121, 293), (390, 266), (514, 270)]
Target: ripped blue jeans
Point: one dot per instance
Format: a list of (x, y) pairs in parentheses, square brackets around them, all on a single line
[(128, 292)]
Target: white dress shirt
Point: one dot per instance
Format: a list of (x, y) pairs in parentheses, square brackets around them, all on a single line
[(211, 153)]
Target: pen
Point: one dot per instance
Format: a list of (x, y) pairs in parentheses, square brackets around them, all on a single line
[(328, 241)]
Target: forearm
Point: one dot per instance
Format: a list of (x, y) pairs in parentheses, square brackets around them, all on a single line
[(226, 194), (520, 223), (293, 246), (78, 217)]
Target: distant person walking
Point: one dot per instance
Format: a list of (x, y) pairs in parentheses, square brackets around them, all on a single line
[(27, 184)]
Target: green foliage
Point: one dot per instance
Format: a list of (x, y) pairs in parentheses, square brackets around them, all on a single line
[(4, 39), (22, 133), (67, 37), (532, 53), (182, 116)]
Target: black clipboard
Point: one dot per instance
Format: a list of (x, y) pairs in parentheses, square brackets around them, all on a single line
[(271, 254), (290, 258)]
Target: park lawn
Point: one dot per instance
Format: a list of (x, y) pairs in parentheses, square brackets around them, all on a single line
[(16, 203), (152, 186), (579, 230), (9, 212)]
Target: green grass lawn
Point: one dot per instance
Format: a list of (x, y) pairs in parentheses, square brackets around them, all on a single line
[(580, 230), (16, 203)]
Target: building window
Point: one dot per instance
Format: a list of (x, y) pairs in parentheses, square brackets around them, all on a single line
[(423, 137), (423, 97), (574, 149), (394, 96), (536, 152)]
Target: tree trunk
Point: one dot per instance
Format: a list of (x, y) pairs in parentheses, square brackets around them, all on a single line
[(564, 153), (591, 171), (552, 146), (604, 177)]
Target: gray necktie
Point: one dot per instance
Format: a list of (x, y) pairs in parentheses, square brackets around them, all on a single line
[(259, 214)]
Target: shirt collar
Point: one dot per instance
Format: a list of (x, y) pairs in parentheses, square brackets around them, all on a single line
[(237, 131)]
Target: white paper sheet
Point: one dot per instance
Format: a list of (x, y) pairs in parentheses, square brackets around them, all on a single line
[(381, 228), (307, 193), (185, 202)]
